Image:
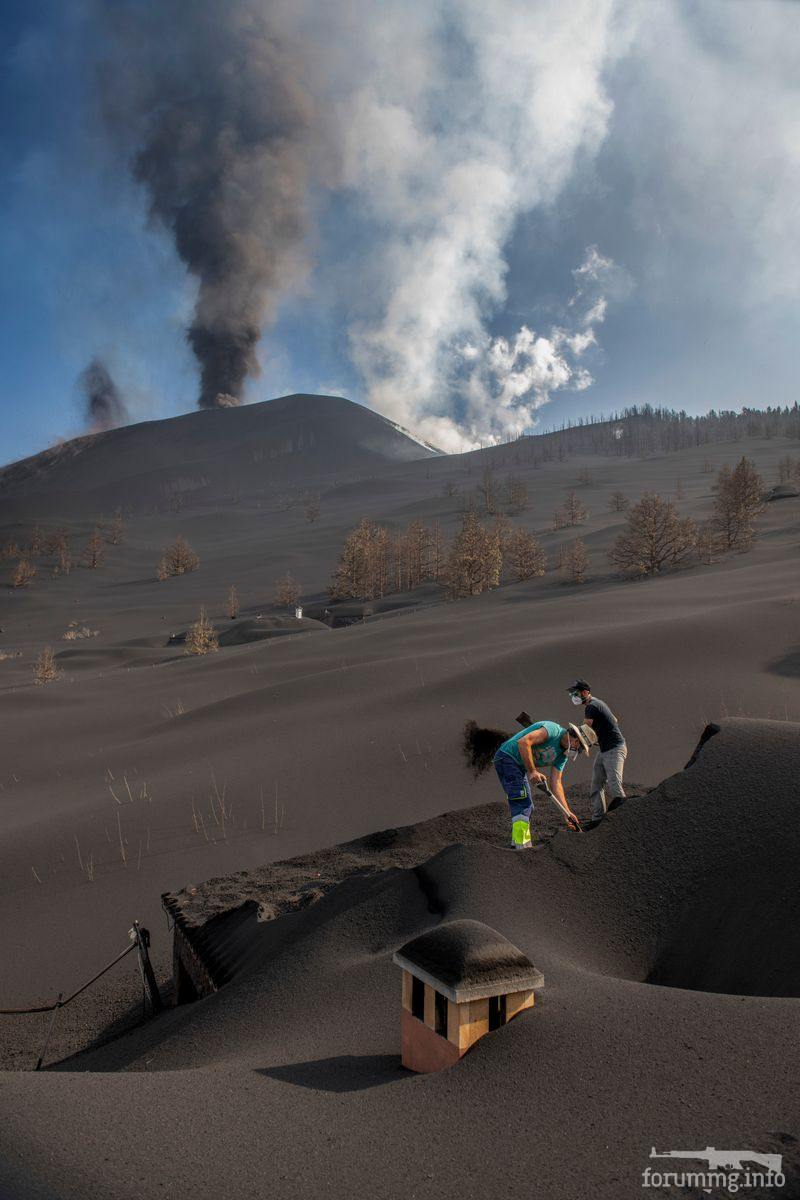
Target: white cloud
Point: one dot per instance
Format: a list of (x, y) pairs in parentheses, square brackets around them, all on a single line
[(708, 126)]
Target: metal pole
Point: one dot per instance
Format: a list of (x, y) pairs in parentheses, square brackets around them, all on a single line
[(149, 975), (56, 1007)]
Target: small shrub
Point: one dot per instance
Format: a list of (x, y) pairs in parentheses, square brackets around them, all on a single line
[(95, 552), (202, 636), (575, 563), (24, 573), (287, 591), (45, 669), (177, 559), (114, 530), (312, 506)]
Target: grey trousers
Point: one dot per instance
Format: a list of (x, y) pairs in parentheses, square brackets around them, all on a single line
[(607, 773)]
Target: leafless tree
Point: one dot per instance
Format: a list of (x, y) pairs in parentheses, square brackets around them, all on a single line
[(526, 555), (94, 552), (202, 636), (24, 574), (437, 552), (516, 494), (472, 562), (574, 511), (114, 530), (575, 561), (287, 591), (709, 543), (656, 538), (487, 490), (738, 500), (177, 559), (416, 544), (312, 506), (45, 669)]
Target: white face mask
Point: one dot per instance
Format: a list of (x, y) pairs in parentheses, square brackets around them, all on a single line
[(576, 699)]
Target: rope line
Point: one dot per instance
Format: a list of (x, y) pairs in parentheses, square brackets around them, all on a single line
[(43, 1008)]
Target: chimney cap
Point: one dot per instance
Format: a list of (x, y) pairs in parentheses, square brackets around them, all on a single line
[(467, 960)]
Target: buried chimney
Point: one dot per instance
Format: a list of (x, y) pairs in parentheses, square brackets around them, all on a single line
[(460, 981)]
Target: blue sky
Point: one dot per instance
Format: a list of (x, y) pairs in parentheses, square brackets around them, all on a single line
[(453, 191)]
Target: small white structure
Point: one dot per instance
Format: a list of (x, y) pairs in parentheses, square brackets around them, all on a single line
[(298, 612)]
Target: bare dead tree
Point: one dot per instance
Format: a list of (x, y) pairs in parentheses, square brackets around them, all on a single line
[(527, 557), (177, 559), (575, 561), (738, 500), (656, 538)]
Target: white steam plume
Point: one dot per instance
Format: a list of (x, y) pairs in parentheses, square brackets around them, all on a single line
[(500, 102)]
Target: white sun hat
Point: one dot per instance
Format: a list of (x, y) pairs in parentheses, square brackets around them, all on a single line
[(580, 735)]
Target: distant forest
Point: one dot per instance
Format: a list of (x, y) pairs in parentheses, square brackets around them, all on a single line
[(638, 432)]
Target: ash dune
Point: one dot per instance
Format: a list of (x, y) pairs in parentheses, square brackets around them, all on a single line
[(307, 1026), (665, 936)]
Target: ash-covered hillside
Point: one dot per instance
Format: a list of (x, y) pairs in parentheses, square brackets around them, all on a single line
[(211, 455)]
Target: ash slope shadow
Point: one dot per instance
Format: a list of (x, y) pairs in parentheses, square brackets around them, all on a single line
[(788, 665), (344, 1073)]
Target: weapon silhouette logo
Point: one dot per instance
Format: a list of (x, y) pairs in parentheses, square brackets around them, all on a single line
[(726, 1159)]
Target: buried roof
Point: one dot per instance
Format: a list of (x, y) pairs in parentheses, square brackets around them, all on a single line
[(466, 960)]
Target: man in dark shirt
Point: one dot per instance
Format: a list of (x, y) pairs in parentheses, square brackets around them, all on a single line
[(609, 764)]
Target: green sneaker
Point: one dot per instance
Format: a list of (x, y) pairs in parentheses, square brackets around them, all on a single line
[(521, 835)]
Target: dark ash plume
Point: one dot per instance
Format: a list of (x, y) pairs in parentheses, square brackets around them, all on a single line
[(480, 746), (105, 408), (209, 105)]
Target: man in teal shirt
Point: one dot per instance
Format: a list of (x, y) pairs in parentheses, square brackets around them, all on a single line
[(544, 746)]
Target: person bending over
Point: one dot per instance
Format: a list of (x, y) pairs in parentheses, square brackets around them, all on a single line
[(609, 765), (523, 759)]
